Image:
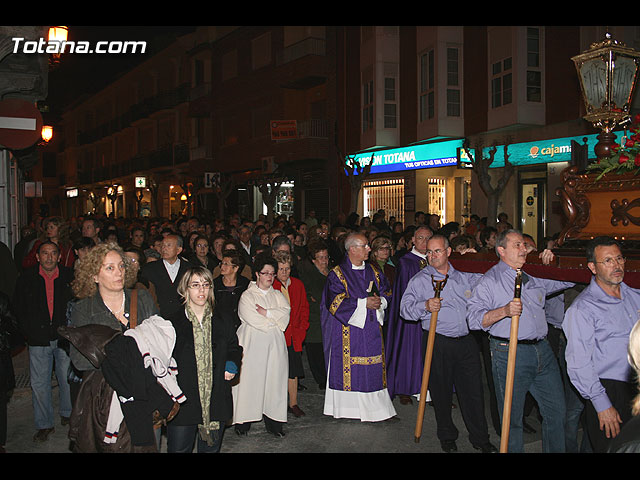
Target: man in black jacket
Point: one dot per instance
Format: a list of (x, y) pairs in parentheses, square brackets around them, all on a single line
[(165, 274), (40, 302)]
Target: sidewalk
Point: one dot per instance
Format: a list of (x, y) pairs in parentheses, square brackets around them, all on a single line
[(312, 433)]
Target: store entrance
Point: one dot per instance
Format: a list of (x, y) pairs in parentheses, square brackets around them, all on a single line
[(532, 208)]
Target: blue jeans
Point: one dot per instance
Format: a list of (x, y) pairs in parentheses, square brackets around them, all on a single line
[(537, 372), (42, 361), (180, 439)]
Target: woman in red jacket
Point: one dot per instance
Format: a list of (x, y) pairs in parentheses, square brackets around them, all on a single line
[(293, 290)]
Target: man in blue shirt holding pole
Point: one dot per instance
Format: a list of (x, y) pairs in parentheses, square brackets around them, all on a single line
[(491, 308)]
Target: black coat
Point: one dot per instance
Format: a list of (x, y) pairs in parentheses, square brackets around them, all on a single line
[(227, 300), (166, 291), (225, 348), (30, 305)]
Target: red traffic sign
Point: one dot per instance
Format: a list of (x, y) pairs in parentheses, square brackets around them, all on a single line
[(20, 124)]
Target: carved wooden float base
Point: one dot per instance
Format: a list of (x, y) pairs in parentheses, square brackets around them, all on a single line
[(609, 206)]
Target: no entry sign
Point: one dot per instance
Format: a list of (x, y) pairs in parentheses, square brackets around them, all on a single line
[(20, 124)]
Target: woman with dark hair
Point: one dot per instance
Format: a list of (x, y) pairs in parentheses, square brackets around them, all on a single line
[(229, 286), (488, 237), (208, 357), (201, 255), (261, 391)]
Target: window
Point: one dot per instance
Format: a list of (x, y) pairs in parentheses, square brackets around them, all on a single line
[(229, 65), (427, 86), (453, 82), (367, 106), (384, 194), (390, 109), (501, 83), (534, 73), (261, 51)]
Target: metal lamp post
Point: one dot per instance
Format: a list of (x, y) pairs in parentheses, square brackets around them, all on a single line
[(607, 73)]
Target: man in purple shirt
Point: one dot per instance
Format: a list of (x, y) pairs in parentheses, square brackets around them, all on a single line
[(456, 358), (597, 326), (491, 308)]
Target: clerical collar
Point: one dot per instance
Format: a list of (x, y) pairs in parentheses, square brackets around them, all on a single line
[(416, 252), (358, 267)]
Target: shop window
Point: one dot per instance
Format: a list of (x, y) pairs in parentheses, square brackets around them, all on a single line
[(437, 198), (387, 195)]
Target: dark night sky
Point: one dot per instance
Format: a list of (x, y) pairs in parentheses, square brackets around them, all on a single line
[(80, 74)]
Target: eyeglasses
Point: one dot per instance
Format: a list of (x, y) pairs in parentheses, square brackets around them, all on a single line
[(267, 274), (228, 264), (437, 251), (198, 286), (202, 245), (611, 261), (366, 245)]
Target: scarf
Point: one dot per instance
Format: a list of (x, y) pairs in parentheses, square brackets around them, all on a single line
[(204, 367)]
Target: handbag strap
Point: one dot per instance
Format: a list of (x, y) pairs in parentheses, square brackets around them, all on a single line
[(133, 309)]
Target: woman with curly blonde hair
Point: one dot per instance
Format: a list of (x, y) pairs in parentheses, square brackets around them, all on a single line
[(54, 229), (100, 284)]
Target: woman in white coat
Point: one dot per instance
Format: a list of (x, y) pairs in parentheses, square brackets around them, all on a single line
[(261, 391)]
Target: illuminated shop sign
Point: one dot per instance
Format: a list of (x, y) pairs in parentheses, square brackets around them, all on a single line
[(443, 153), (542, 151), (428, 155)]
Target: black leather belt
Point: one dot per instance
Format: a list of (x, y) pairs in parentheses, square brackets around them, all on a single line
[(520, 342)]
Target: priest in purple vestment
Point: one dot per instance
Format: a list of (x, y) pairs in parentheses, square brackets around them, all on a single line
[(404, 342), (355, 297)]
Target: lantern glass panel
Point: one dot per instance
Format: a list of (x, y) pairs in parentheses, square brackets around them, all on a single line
[(594, 82), (622, 81)]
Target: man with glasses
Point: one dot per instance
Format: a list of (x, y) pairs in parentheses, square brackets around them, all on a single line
[(353, 305), (456, 357), (597, 326), (405, 342)]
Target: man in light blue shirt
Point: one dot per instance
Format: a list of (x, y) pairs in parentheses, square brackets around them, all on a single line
[(597, 326), (491, 308), (456, 357)]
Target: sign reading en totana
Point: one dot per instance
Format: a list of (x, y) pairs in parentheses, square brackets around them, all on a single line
[(430, 155)]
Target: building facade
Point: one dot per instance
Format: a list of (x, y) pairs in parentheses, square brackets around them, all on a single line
[(226, 115)]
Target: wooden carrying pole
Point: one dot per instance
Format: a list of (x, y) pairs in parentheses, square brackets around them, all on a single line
[(438, 285), (511, 369)]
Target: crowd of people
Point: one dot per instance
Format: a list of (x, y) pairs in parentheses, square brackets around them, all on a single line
[(194, 326)]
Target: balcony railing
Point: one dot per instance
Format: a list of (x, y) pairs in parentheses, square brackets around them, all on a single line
[(163, 157), (163, 100), (308, 46)]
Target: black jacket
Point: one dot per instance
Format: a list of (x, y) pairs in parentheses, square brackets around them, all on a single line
[(225, 348), (166, 291), (226, 300), (30, 305)]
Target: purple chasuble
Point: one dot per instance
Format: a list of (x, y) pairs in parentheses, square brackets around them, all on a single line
[(404, 338), (355, 356)]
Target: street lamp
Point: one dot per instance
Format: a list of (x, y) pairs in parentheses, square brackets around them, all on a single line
[(57, 34), (607, 73), (46, 133)]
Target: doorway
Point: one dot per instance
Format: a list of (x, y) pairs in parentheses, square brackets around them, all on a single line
[(532, 201)]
